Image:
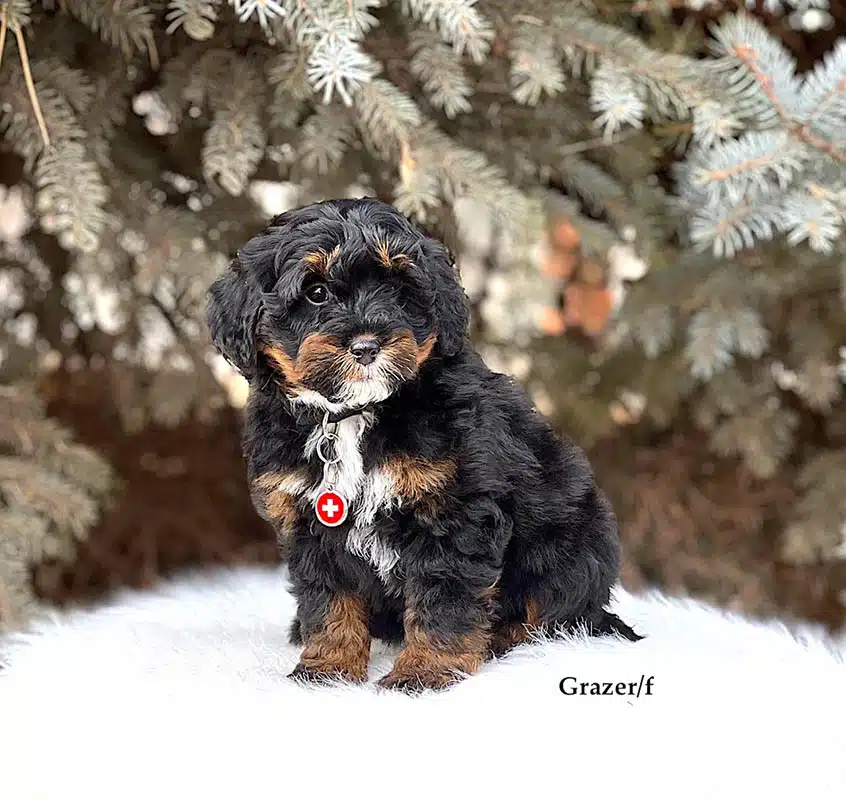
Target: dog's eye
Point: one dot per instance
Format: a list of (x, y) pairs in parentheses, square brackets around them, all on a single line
[(317, 294)]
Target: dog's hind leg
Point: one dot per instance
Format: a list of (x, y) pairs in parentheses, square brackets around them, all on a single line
[(515, 629), (508, 634)]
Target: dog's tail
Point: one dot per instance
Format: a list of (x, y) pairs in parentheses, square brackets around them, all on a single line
[(610, 624)]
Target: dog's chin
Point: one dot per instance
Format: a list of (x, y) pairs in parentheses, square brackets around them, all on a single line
[(355, 393)]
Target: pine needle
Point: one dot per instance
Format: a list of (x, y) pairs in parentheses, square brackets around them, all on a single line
[(3, 26), (153, 52), (30, 85), (408, 163)]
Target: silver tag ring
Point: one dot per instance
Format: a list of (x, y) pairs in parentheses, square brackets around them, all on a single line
[(327, 437)]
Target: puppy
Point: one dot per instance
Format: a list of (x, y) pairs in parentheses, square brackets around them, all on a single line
[(420, 496)]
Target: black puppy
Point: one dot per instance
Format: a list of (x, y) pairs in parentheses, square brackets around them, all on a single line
[(420, 495)]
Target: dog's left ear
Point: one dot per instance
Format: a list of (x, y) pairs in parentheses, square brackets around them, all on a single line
[(232, 314), (452, 306)]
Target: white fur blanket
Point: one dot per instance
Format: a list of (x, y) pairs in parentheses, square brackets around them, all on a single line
[(181, 694)]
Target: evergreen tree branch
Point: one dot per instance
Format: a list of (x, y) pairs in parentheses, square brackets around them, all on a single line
[(458, 22), (196, 17), (740, 168), (802, 131), (439, 69), (127, 25)]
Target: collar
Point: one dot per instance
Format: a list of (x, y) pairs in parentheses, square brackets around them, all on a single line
[(350, 412), (316, 413)]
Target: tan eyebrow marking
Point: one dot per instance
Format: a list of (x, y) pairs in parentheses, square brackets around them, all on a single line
[(321, 260), (388, 259)]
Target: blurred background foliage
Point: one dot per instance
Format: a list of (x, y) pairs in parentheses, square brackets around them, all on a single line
[(647, 202)]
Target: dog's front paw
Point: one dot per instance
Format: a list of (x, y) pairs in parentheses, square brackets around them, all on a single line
[(414, 682), (306, 673)]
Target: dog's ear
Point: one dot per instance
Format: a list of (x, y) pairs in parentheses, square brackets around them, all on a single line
[(451, 306), (232, 314)]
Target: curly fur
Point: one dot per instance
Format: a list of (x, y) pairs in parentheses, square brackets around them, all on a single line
[(471, 524)]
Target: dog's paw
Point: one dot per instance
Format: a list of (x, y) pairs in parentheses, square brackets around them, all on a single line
[(420, 681), (303, 673)]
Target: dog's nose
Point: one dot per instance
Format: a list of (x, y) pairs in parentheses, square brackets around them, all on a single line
[(365, 350)]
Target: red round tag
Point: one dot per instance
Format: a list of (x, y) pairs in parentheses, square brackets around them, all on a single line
[(331, 509)]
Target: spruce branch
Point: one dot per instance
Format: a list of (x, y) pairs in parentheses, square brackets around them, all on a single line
[(27, 433), (232, 148), (763, 436), (195, 17), (71, 191), (710, 344), (675, 84), (71, 195), (535, 65), (818, 528), (596, 143), (14, 14), (745, 168), (751, 338), (189, 344), (458, 22), (417, 193), (753, 55), (264, 10), (818, 384), (311, 19), (72, 84), (127, 25), (463, 173), (387, 117), (357, 13), (594, 186), (811, 216), (824, 93), (730, 230), (190, 78), (338, 65), (52, 490), (441, 72), (25, 536), (653, 330), (287, 72), (615, 99), (330, 32), (746, 417), (235, 142), (713, 124), (325, 137)]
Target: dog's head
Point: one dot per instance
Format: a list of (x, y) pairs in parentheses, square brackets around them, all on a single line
[(345, 299)]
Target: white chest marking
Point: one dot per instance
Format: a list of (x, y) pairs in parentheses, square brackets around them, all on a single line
[(370, 492), (348, 474)]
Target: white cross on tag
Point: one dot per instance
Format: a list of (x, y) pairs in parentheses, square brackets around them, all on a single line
[(329, 508)]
